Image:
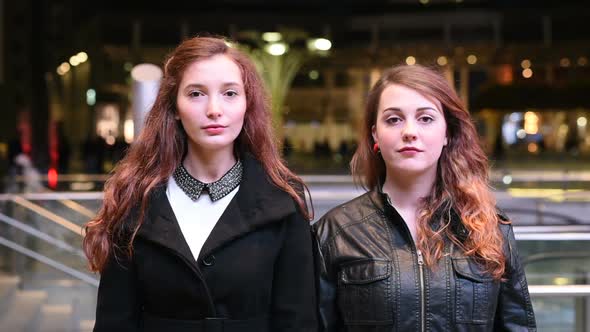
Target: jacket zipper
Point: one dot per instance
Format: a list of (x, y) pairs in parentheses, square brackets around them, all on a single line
[(421, 275), (422, 292)]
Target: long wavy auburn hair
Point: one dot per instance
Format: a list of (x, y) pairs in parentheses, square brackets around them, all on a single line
[(161, 145), (461, 184)]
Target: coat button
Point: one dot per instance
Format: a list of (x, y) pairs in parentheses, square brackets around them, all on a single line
[(209, 260)]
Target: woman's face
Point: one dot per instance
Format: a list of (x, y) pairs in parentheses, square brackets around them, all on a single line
[(211, 103), (410, 130)]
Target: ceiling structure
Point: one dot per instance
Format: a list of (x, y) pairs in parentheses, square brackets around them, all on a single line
[(347, 22)]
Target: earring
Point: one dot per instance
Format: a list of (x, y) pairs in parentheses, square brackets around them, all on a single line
[(376, 148)]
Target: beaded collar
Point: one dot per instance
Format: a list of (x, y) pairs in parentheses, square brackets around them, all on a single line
[(217, 190)]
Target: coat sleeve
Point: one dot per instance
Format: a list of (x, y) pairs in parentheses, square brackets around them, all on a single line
[(328, 315), (118, 307), (514, 311), (293, 289)]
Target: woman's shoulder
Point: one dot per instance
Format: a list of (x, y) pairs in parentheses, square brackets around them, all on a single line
[(133, 217), (346, 213), (504, 222)]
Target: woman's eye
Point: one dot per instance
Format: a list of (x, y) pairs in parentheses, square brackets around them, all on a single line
[(194, 94), (231, 93), (426, 119), (393, 120)]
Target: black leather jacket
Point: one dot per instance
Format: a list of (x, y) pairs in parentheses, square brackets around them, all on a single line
[(372, 278)]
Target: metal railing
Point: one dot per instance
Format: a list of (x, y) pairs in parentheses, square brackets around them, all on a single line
[(50, 262), (69, 200), (559, 290), (25, 201)]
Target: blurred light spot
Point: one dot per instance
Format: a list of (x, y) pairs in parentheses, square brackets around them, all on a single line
[(442, 60), (110, 140), (52, 178), (63, 68), (565, 62), (322, 44), (410, 60), (314, 74), (74, 61), (560, 281), (504, 74), (128, 130), (91, 97), (276, 49), (527, 73), (531, 123), (471, 59), (82, 57), (533, 147), (515, 116), (272, 37)]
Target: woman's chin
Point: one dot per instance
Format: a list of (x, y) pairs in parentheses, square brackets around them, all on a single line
[(214, 144), (412, 170)]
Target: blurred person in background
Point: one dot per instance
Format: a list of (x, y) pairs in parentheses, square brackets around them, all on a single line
[(425, 249), (63, 148), (93, 153), (203, 228)]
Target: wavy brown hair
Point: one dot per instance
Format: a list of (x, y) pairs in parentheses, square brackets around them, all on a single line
[(160, 147), (461, 184)]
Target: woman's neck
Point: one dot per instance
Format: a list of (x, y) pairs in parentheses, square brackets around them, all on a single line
[(406, 192), (209, 166)]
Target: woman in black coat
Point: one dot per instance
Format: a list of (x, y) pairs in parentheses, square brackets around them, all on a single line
[(425, 249), (203, 228)]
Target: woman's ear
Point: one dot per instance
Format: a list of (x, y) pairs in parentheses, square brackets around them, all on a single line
[(374, 134)]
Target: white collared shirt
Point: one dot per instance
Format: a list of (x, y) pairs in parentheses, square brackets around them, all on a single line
[(196, 218)]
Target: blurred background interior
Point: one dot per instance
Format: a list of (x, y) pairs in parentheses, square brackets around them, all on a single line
[(67, 98)]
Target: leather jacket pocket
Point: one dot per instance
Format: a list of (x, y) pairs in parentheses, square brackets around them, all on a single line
[(364, 292), (476, 292)]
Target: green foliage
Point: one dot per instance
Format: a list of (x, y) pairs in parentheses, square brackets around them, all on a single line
[(278, 71)]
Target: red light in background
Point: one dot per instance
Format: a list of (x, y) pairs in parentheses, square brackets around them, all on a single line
[(504, 75), (52, 178)]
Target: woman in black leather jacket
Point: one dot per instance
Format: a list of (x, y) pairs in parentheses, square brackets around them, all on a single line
[(425, 249)]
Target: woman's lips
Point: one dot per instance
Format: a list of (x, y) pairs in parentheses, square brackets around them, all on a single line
[(214, 129), (409, 151)]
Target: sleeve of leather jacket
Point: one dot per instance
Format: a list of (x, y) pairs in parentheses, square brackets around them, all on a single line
[(117, 306), (293, 295), (514, 311), (328, 315)]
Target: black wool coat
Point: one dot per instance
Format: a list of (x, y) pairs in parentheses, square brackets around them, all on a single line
[(254, 273)]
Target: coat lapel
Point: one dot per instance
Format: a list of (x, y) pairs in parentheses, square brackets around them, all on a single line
[(161, 226), (258, 202)]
